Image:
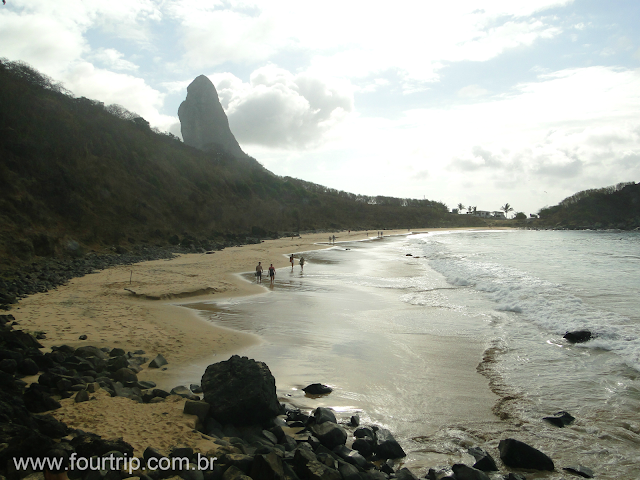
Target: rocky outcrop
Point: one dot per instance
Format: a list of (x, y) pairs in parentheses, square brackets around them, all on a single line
[(241, 391), (203, 123)]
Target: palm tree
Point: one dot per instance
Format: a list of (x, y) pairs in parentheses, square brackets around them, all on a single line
[(506, 208), (469, 209), (460, 207)]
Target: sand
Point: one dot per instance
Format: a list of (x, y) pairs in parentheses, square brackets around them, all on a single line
[(133, 307)]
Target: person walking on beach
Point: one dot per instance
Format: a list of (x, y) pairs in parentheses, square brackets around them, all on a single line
[(272, 274), (334, 239), (301, 263), (291, 261), (259, 273)]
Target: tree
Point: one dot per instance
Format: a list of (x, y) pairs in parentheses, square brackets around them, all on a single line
[(520, 216), (506, 208), (460, 207), (469, 209)]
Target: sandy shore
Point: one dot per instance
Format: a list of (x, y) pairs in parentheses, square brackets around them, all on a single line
[(133, 307)]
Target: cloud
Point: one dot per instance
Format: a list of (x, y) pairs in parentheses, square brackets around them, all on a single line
[(279, 109), (472, 91), (111, 58)]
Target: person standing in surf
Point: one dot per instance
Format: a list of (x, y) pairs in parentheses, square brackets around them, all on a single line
[(272, 274), (301, 263), (259, 273), (291, 261)]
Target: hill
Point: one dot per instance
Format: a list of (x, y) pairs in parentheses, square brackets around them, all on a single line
[(617, 206), (76, 175)]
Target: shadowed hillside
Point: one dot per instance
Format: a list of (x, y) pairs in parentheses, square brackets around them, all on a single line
[(617, 206), (77, 174)]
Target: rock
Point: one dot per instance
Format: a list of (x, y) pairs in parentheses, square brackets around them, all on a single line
[(203, 123), (89, 445), (234, 473), (82, 337), (464, 472), (322, 415), (515, 476), (580, 470), (317, 389), (364, 445), (90, 351), (516, 454), (363, 432), (116, 363), (182, 391), (405, 474), (146, 384), (307, 466), (267, 467), (348, 472), (117, 352), (354, 421), (38, 401), (51, 427), (578, 336), (195, 388), (124, 375), (81, 396), (330, 434), (351, 456), (439, 473), (561, 419), (387, 446), (158, 362), (241, 391), (28, 367), (198, 408), (8, 365), (484, 461)]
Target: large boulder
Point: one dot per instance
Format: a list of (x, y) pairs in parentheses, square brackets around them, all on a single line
[(241, 391), (387, 446), (203, 123), (517, 454), (330, 434)]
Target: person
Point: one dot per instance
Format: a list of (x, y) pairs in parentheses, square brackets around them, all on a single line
[(272, 273), (259, 273), (291, 260), (334, 239), (301, 263)]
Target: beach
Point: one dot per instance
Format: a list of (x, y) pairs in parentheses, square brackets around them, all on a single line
[(141, 307)]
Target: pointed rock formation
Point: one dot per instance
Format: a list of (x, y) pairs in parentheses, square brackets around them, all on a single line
[(203, 122)]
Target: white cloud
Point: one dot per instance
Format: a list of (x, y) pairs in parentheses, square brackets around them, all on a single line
[(111, 58), (279, 109), (472, 91)]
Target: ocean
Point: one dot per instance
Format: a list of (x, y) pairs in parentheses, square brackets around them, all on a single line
[(453, 339)]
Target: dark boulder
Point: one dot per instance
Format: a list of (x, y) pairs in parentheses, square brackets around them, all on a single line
[(330, 434), (89, 445), (241, 391), (307, 466), (28, 367), (267, 467), (116, 363), (578, 336), (8, 365), (387, 446), (317, 389), (405, 474), (464, 472), (351, 456), (90, 351), (581, 470), (125, 375), (158, 362), (484, 461), (364, 445), (517, 454), (37, 400), (322, 415), (561, 419), (50, 426)]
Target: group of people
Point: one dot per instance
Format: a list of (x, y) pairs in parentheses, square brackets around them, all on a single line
[(272, 269)]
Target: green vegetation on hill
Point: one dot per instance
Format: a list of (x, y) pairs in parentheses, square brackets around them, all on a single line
[(617, 206), (74, 170)]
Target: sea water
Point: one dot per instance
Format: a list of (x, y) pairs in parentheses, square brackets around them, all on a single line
[(454, 339)]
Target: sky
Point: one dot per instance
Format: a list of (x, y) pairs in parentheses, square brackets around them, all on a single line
[(481, 102)]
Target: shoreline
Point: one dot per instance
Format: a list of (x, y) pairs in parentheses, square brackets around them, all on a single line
[(141, 306)]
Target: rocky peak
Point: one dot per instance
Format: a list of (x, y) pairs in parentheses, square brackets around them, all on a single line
[(203, 122)]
